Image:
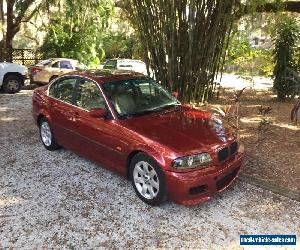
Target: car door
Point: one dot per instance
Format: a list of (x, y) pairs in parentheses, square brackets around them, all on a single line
[(98, 138), (61, 109)]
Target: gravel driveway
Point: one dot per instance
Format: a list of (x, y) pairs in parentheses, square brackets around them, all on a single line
[(60, 200)]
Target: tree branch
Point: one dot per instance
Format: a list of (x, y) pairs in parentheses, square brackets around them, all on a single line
[(21, 15), (288, 6)]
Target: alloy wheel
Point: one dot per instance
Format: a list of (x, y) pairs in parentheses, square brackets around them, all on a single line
[(46, 134), (13, 85), (146, 180)]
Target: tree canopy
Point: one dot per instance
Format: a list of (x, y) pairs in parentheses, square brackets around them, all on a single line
[(78, 29), (184, 42)]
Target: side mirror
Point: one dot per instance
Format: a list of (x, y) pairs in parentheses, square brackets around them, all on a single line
[(98, 113), (175, 94)]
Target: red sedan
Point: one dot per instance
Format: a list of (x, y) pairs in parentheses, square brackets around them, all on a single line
[(131, 125)]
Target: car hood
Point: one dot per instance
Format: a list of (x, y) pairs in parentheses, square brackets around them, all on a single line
[(13, 66), (186, 131)]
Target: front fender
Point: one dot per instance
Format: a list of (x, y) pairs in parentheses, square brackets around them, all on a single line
[(159, 155)]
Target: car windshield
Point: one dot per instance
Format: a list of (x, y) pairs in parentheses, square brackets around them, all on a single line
[(137, 97)]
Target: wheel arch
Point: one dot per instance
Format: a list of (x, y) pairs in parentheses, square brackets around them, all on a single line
[(13, 74), (53, 77), (41, 115), (148, 151), (128, 160)]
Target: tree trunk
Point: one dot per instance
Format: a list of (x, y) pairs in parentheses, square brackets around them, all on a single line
[(186, 38), (9, 31), (13, 22), (185, 41)]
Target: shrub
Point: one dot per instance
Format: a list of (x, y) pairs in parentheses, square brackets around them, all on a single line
[(284, 57)]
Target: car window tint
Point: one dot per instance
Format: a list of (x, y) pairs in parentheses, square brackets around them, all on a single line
[(63, 89), (89, 96), (55, 65), (137, 96), (66, 65)]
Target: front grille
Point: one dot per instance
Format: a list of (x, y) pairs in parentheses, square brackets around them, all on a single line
[(233, 148), (227, 179), (223, 154)]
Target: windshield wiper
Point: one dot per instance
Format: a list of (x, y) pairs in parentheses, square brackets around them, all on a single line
[(149, 111), (175, 107), (143, 112), (163, 107)]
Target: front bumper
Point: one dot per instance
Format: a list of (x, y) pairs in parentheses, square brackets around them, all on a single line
[(191, 188)]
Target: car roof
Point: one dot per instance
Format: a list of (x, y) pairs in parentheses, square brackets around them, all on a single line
[(59, 59), (102, 76), (125, 60)]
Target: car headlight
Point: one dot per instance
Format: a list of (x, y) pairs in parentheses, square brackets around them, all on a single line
[(192, 161)]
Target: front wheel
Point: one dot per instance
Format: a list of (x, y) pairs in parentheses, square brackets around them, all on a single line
[(47, 136), (147, 179), (12, 84)]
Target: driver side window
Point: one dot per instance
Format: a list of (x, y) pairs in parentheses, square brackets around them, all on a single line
[(89, 96)]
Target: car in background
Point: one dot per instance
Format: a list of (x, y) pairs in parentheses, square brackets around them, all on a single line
[(46, 70), (130, 124), (126, 64), (12, 77)]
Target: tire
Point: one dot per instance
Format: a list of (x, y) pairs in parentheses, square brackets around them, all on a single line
[(52, 78), (148, 180), (12, 84), (47, 136)]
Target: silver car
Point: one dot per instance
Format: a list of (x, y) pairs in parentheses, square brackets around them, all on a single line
[(45, 71)]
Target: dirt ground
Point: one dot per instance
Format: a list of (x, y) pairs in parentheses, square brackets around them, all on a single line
[(276, 159), (58, 200)]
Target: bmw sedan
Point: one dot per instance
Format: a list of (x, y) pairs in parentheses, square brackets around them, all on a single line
[(130, 124)]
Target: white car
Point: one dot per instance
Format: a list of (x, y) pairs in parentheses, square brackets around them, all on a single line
[(126, 64), (12, 77), (45, 71)]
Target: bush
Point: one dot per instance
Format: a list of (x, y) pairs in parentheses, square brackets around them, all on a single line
[(287, 35), (245, 60)]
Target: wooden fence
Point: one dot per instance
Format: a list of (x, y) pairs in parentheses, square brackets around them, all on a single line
[(23, 56)]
